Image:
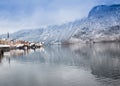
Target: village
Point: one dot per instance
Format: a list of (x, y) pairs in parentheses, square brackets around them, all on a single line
[(8, 44)]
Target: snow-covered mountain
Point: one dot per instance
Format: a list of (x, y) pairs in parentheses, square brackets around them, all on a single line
[(51, 34), (30, 34), (102, 24)]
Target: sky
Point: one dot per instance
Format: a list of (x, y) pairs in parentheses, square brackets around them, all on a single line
[(31, 14)]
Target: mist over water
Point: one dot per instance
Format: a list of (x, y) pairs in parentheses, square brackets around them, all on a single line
[(62, 65)]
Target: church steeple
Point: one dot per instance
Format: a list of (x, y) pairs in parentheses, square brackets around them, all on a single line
[(8, 36)]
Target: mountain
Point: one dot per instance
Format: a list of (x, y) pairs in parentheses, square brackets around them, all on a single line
[(50, 34), (29, 35), (101, 25)]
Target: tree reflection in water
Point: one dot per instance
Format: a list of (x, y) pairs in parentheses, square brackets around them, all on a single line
[(101, 61), (104, 59)]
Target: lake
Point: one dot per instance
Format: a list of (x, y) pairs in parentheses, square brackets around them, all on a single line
[(62, 65)]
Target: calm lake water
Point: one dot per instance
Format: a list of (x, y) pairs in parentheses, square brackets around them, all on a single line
[(75, 65)]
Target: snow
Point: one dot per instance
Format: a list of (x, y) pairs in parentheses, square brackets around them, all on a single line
[(4, 46), (19, 45), (103, 22)]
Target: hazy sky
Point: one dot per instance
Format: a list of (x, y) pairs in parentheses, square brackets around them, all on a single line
[(27, 14)]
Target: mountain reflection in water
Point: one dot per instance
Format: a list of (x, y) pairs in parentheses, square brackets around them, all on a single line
[(74, 65)]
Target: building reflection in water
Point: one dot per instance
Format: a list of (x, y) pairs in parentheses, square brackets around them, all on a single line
[(16, 54), (1, 57), (101, 60)]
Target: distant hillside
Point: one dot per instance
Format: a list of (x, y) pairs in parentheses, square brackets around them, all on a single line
[(102, 24)]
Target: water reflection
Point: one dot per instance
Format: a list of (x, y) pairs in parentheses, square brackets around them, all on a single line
[(98, 64), (104, 59), (1, 57), (15, 53)]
